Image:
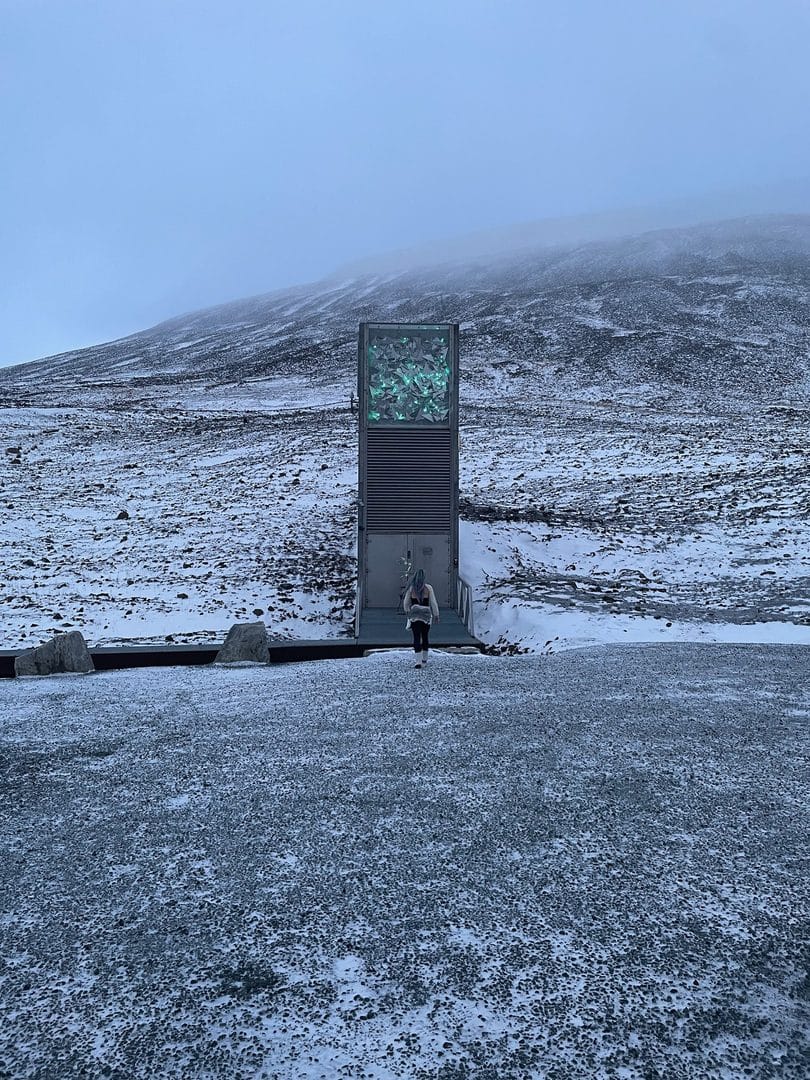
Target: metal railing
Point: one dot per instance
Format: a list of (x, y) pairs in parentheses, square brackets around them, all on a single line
[(464, 604), (358, 609)]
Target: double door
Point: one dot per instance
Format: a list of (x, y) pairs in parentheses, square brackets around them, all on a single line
[(392, 558)]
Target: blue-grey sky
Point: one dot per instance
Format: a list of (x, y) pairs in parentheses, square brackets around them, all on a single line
[(163, 155)]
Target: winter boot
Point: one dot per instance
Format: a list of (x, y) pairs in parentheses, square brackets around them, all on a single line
[(424, 658), (418, 660)]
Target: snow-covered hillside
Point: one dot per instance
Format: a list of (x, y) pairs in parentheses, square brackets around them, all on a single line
[(633, 457)]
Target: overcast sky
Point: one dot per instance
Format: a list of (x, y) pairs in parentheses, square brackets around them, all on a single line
[(164, 155)]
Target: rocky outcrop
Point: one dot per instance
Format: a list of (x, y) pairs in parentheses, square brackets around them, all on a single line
[(63, 653), (245, 643)]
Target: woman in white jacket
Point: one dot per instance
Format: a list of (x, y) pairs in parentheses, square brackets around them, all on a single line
[(421, 608)]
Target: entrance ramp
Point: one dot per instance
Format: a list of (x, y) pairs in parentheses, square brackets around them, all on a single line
[(385, 628)]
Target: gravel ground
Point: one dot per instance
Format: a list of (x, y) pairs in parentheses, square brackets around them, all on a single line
[(589, 865)]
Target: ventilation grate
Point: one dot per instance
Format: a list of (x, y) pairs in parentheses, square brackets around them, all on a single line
[(409, 480)]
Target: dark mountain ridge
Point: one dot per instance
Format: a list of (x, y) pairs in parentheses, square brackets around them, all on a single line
[(714, 309)]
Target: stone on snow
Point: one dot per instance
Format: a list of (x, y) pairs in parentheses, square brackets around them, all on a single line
[(246, 642), (65, 652)]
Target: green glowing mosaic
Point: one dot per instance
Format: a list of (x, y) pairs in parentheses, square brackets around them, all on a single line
[(409, 377)]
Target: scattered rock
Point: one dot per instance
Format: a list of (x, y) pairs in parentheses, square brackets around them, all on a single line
[(123, 516), (246, 642), (65, 652)]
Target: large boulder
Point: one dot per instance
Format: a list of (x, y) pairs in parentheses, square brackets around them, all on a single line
[(65, 652), (245, 643)]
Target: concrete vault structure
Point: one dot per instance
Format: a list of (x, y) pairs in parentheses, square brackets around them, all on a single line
[(408, 461)]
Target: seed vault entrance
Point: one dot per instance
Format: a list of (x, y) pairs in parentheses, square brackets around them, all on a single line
[(403, 553), (408, 462)]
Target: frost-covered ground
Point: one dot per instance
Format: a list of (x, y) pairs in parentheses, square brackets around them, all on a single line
[(580, 523), (620, 520), (353, 869), (146, 523)]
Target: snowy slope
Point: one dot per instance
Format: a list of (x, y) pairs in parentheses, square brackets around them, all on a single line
[(708, 307), (634, 448)]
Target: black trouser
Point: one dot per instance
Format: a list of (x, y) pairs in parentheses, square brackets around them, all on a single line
[(420, 632)]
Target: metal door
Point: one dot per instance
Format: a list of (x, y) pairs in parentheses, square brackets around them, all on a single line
[(393, 557), (431, 552), (385, 569)]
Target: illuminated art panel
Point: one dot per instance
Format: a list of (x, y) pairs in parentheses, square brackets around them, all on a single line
[(409, 375)]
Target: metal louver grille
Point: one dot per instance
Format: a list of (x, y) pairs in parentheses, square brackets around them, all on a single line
[(409, 480)]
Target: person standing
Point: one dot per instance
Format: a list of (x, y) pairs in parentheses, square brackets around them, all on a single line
[(421, 608)]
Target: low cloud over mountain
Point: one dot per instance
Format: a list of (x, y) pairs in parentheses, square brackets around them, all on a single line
[(712, 308)]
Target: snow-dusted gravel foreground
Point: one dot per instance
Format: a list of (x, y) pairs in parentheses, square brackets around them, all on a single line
[(588, 865)]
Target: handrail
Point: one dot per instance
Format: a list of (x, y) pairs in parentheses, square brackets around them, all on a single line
[(464, 604), (358, 607)]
